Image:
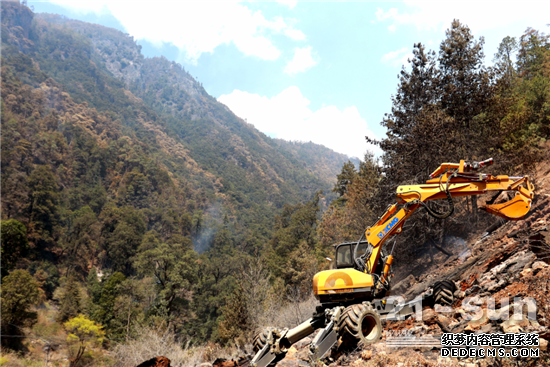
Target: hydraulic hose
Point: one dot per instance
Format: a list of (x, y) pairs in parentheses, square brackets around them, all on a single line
[(357, 261), (436, 214)]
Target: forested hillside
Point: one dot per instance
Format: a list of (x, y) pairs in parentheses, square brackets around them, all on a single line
[(113, 163), (136, 205)]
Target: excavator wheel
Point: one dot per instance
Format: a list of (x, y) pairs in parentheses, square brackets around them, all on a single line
[(261, 339), (444, 292), (360, 323)]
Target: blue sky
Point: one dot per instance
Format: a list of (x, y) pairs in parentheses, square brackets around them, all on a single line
[(308, 71)]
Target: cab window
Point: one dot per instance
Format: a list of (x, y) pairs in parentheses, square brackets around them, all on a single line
[(362, 248), (343, 256)]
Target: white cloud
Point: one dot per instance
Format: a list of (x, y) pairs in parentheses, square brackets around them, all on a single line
[(479, 15), (195, 27), (302, 61), (287, 116), (397, 58), (295, 34), (290, 3)]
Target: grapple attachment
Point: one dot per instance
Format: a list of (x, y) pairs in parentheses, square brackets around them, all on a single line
[(514, 209), (473, 183), (517, 207)]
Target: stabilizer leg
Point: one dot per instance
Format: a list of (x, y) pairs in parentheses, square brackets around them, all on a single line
[(266, 357), (278, 341), (323, 342)]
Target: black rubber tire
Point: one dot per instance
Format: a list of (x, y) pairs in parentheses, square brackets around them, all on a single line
[(260, 340), (444, 292), (360, 323)]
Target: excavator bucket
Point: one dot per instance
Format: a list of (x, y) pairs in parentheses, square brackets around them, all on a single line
[(514, 209)]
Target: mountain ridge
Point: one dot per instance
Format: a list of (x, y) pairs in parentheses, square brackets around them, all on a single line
[(104, 85)]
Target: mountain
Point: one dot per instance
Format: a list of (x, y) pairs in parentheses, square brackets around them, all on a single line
[(152, 119)]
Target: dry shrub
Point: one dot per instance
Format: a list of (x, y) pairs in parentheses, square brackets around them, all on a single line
[(45, 326), (258, 304), (15, 360), (212, 351), (11, 360), (288, 314), (154, 342), (160, 341)]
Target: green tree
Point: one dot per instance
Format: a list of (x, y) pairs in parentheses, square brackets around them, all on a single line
[(214, 285), (137, 188), (533, 53), (82, 333), (20, 291), (466, 84), (173, 266), (81, 240), (519, 110), (504, 58), (439, 114), (43, 207), (105, 312), (46, 273), (235, 321), (534, 68), (71, 301), (14, 244), (93, 285), (361, 206), (295, 226), (417, 91), (197, 222), (344, 178), (135, 298), (122, 234)]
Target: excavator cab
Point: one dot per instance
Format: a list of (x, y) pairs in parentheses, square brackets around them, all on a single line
[(345, 252), (344, 255)]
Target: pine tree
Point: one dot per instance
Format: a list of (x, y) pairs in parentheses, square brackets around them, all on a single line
[(93, 285), (344, 178), (294, 227), (71, 301), (466, 85), (14, 244), (417, 93), (235, 320), (504, 58), (105, 313), (43, 206)]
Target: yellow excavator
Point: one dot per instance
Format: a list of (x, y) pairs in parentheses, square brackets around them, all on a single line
[(352, 303)]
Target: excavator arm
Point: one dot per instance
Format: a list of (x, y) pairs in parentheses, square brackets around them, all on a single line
[(449, 181)]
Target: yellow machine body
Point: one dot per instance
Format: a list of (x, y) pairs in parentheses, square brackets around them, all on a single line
[(341, 281)]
